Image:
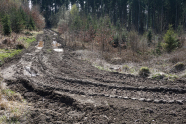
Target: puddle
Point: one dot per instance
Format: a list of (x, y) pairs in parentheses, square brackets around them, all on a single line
[(55, 44), (58, 50), (40, 45)]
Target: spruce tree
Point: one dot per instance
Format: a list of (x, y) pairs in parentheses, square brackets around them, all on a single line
[(25, 17), (31, 24), (6, 25), (17, 22)]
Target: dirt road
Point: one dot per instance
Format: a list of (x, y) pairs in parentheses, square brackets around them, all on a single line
[(64, 89)]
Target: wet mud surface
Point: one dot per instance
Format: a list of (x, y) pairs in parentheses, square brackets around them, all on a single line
[(64, 89)]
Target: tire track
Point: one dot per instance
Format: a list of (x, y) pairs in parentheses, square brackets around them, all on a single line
[(109, 88), (64, 86)]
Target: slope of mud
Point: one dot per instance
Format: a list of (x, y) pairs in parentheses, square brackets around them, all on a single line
[(64, 89)]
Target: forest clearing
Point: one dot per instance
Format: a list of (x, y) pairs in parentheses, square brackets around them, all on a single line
[(120, 62)]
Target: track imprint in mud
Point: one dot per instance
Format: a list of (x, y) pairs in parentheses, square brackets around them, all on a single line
[(65, 89)]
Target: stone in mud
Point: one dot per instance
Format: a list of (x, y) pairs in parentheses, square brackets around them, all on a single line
[(107, 95), (156, 101), (171, 101), (126, 97), (112, 96), (142, 99), (148, 100), (119, 97), (134, 98), (179, 102)]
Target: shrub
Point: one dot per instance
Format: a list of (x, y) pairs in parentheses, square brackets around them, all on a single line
[(17, 22), (158, 48), (62, 28), (6, 25), (76, 21), (103, 36), (123, 37), (115, 42), (24, 16), (88, 35), (31, 24), (170, 39), (180, 29), (144, 72), (63, 15), (119, 40), (149, 37), (37, 18), (1, 27), (133, 41)]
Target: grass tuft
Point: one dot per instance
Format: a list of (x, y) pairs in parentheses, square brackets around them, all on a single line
[(158, 76), (144, 72)]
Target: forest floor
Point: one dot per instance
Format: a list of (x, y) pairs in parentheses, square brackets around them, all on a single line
[(61, 88)]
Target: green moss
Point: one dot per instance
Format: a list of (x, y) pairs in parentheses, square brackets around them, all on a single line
[(30, 40), (26, 41), (12, 52), (8, 54), (49, 50)]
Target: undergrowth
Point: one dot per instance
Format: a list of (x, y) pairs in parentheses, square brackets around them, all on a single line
[(8, 54), (12, 105), (20, 43)]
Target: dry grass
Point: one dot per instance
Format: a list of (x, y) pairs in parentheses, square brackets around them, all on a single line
[(13, 104), (12, 41), (136, 52)]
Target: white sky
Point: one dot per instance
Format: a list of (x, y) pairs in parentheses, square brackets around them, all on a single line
[(30, 4)]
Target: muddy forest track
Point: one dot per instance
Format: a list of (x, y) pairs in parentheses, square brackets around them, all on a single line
[(53, 74)]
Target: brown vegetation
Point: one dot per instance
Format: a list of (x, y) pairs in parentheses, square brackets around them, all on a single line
[(38, 18)]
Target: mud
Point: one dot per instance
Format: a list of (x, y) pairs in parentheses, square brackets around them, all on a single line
[(64, 89)]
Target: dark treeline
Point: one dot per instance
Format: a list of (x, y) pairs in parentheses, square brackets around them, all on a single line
[(138, 14)]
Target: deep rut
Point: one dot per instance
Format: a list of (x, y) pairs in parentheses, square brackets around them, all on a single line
[(102, 84), (52, 72)]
